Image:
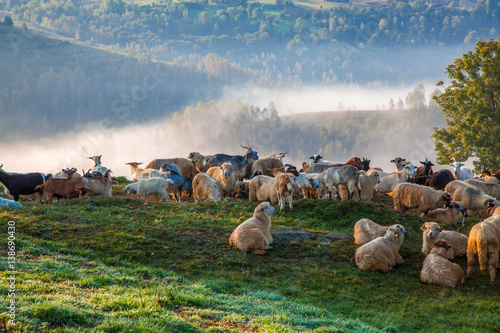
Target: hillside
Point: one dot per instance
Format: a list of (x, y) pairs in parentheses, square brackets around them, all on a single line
[(125, 265)]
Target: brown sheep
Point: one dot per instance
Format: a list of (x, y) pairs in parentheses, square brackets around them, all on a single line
[(226, 176), (206, 188), (433, 231), (484, 241), (437, 269), (381, 254), (187, 167), (470, 196), (408, 196), (365, 230), (449, 215), (253, 235)]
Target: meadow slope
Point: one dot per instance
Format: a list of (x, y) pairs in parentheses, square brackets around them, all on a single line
[(125, 265)]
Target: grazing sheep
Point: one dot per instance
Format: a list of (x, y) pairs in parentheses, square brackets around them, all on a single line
[(253, 235), (206, 188), (484, 241), (154, 185), (470, 196), (381, 254), (491, 189), (437, 269), (138, 173), (433, 231), (408, 196), (365, 230), (9, 203), (226, 176), (450, 215), (389, 180), (187, 167), (262, 188), (367, 182)]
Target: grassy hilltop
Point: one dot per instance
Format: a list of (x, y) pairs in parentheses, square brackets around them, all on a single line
[(124, 265)]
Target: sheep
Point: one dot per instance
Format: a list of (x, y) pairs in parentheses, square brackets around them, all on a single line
[(484, 241), (206, 188), (263, 166), (470, 196), (381, 254), (226, 176), (488, 188), (187, 166), (138, 173), (493, 211), (389, 180), (147, 186), (408, 196), (262, 188), (367, 182), (253, 235), (433, 231), (365, 230), (345, 175), (9, 203), (199, 161), (437, 269), (450, 215)]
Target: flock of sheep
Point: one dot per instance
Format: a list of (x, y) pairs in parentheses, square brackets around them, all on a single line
[(440, 196)]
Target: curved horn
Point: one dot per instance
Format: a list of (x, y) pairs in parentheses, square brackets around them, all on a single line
[(245, 147)]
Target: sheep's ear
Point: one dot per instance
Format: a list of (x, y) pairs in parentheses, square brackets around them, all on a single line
[(423, 226)]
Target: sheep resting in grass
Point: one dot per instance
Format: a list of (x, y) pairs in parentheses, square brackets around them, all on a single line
[(433, 231), (381, 254), (471, 197), (408, 196), (437, 269), (484, 241), (206, 188), (449, 215), (365, 230), (253, 235), (226, 176)]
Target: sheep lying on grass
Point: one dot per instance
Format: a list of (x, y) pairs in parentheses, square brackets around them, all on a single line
[(206, 188), (253, 235), (484, 241), (433, 231), (449, 215), (381, 254), (437, 269), (365, 230), (408, 196)]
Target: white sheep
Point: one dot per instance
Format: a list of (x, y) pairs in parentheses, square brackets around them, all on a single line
[(154, 185), (226, 176), (365, 230), (206, 188), (484, 241), (433, 231), (381, 254), (488, 188), (138, 173), (437, 269), (450, 215), (389, 180), (408, 196), (471, 197), (367, 182)]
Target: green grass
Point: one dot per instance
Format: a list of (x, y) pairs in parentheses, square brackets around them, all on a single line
[(124, 265)]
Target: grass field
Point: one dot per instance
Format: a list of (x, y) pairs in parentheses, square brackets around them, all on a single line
[(125, 265)]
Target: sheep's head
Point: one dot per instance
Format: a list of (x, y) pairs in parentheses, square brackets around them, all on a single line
[(442, 248), (446, 198), (431, 229), (265, 208)]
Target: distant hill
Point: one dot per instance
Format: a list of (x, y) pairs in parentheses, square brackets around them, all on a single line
[(332, 117)]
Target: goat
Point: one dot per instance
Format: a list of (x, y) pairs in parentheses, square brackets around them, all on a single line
[(187, 167), (345, 175), (423, 172), (60, 188), (439, 180), (104, 171), (173, 172), (263, 166), (389, 180), (461, 173), (367, 182), (23, 183)]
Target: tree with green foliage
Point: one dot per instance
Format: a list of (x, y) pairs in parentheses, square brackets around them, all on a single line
[(471, 106)]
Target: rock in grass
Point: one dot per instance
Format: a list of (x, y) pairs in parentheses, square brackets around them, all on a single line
[(290, 235)]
